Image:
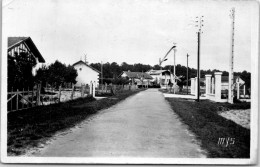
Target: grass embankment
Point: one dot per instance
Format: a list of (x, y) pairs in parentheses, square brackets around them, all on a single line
[(28, 128), (203, 120)]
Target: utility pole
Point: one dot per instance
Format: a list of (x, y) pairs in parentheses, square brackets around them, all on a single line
[(200, 25), (187, 73), (101, 73), (231, 60), (174, 75)]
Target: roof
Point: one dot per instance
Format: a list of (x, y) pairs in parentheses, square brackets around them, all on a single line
[(137, 75), (225, 78), (81, 62), (155, 72), (15, 41)]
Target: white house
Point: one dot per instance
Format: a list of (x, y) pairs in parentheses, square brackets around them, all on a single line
[(224, 81), (140, 78), (160, 76), (86, 73)]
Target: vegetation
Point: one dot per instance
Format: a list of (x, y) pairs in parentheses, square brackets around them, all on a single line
[(28, 128), (20, 71), (57, 74), (113, 70), (204, 121)]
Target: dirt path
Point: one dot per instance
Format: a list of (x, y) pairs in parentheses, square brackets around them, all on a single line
[(143, 125)]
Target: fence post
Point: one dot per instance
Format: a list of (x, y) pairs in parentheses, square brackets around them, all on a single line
[(94, 87), (90, 88), (59, 93), (238, 90), (12, 99), (81, 90), (17, 100), (32, 96), (218, 86), (23, 99), (38, 95), (28, 99), (72, 92), (208, 83), (244, 91)]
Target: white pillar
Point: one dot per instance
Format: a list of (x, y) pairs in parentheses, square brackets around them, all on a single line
[(238, 92), (218, 86), (213, 85), (208, 82), (196, 87), (90, 88), (192, 86), (94, 87)]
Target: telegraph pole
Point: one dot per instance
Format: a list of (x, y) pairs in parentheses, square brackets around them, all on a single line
[(231, 60), (200, 25), (174, 67), (101, 73), (187, 73)]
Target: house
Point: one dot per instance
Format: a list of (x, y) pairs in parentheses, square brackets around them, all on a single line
[(161, 77), (19, 45), (86, 73), (138, 78), (236, 79), (23, 57)]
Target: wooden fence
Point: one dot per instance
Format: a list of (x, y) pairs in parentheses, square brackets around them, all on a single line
[(108, 89), (19, 100)]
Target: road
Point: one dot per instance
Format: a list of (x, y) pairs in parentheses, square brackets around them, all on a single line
[(143, 125)]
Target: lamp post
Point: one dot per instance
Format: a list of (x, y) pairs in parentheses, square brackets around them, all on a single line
[(164, 58)]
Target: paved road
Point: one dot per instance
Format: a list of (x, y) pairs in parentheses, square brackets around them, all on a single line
[(143, 125)]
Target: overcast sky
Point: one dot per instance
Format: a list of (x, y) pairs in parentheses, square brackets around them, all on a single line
[(132, 31)]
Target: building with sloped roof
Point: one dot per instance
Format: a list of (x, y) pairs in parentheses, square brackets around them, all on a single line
[(86, 73), (236, 79), (17, 45), (138, 78)]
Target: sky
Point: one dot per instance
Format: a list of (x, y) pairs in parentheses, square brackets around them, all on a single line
[(133, 31)]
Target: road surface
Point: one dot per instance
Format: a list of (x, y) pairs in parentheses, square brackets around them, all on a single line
[(143, 125)]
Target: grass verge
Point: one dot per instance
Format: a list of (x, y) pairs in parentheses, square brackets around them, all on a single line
[(210, 128), (28, 128)]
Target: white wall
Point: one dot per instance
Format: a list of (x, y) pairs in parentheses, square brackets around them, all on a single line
[(158, 76), (85, 75)]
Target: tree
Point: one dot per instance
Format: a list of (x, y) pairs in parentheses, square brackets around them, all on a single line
[(20, 71), (57, 74), (71, 75)]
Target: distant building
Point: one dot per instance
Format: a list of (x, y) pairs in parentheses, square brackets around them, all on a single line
[(138, 78), (86, 73), (236, 79), (19, 45)]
